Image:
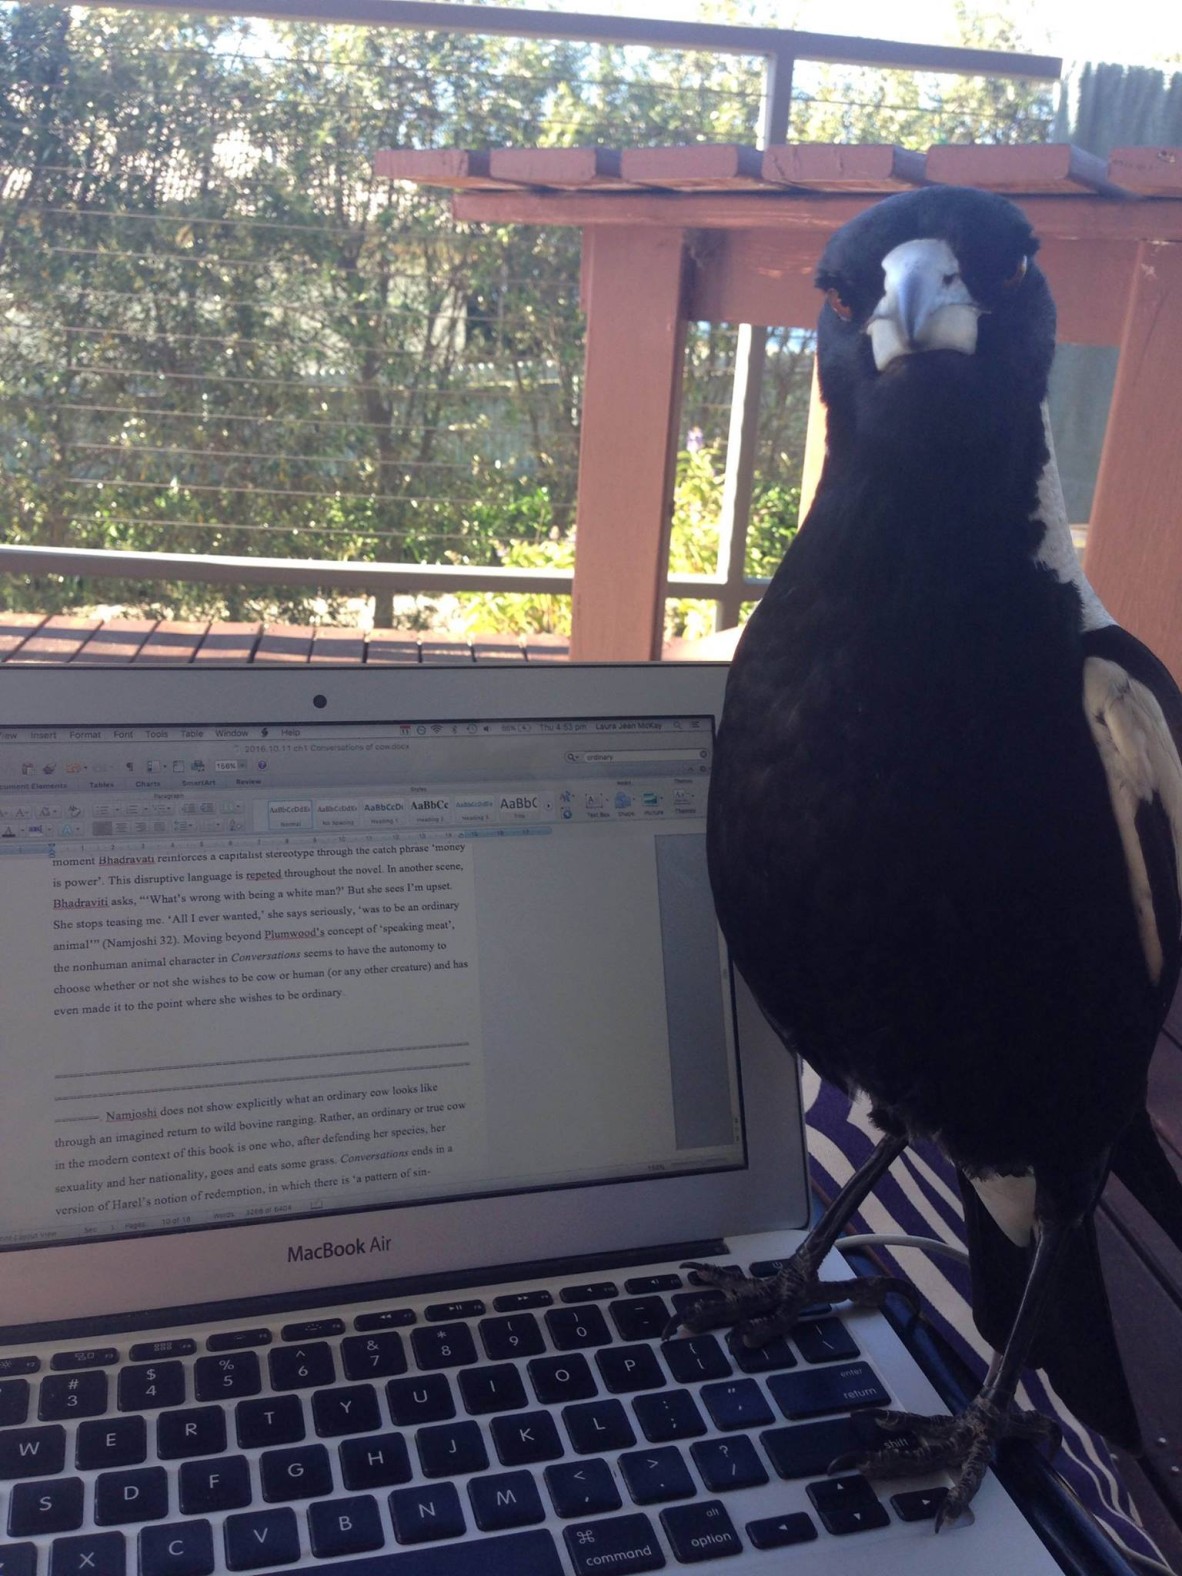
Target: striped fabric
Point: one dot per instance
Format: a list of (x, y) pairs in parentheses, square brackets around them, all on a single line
[(919, 1197)]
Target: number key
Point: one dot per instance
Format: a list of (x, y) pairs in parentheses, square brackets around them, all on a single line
[(377, 1356), (72, 1395), (300, 1367), (443, 1346), (144, 1386), (233, 1374)]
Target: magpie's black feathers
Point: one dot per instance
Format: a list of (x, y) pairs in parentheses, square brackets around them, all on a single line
[(945, 817)]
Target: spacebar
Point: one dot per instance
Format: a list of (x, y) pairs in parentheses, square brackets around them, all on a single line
[(516, 1554)]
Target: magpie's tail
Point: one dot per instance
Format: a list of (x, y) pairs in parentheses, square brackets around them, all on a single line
[(1076, 1343), (1141, 1164)]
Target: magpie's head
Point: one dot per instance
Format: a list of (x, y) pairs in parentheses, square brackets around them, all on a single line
[(938, 328)]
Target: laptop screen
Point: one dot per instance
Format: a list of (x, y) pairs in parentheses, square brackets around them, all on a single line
[(277, 970)]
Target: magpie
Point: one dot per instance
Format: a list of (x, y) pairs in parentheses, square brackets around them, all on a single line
[(945, 821)]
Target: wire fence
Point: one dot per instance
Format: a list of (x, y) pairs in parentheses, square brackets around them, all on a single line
[(217, 327)]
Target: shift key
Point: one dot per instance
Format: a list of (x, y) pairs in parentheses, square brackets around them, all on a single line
[(619, 1543), (819, 1390)]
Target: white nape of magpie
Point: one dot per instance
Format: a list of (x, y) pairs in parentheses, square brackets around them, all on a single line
[(945, 825)]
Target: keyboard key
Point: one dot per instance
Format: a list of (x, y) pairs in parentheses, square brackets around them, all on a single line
[(271, 1420), (642, 1285), (87, 1357), (92, 1554), (574, 1329), (837, 1389), (739, 1404), (234, 1340), (223, 1378), (776, 1355), (313, 1330), (197, 1431), (18, 1559), (594, 1426), (507, 1499), (36, 1508), (380, 1461), (728, 1463), (143, 1387), (302, 1473), (444, 1346), (778, 1532), (345, 1526), (656, 1475), (183, 1549), (427, 1398), (451, 1449), (515, 1335), (848, 1504), (260, 1538), (698, 1357), (515, 1301), (670, 1415), (640, 1318), (559, 1379), (627, 1368), (919, 1504), (808, 1449), (700, 1532), (19, 1365), (385, 1319), (445, 1312), (824, 1341), (689, 1301), (301, 1367), (111, 1442), (122, 1497), (619, 1543), (350, 1409), (593, 1291), (66, 1396), (14, 1402), (497, 1389), (32, 1452), (526, 1437), (207, 1486), (157, 1351), (379, 1356), (428, 1514), (582, 1488)]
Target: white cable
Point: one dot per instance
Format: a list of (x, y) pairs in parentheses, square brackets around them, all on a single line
[(953, 1250)]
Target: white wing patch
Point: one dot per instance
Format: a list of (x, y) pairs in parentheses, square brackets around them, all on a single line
[(1010, 1200), (1140, 761)]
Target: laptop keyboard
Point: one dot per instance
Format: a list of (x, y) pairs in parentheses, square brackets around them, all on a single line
[(538, 1432)]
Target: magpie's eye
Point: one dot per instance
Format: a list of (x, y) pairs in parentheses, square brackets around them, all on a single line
[(1017, 276), (839, 305)]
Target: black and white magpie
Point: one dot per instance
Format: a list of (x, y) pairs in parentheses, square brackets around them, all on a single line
[(945, 826)]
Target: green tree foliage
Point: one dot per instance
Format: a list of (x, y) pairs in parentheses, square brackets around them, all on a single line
[(219, 333)]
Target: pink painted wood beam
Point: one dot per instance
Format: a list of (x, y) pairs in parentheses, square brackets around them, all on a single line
[(634, 292), (1134, 552)]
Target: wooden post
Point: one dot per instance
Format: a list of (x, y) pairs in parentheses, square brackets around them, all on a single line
[(1134, 551), (633, 293)]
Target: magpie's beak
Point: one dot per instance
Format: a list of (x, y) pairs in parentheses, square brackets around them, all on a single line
[(925, 305)]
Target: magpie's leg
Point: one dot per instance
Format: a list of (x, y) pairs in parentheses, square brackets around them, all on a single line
[(759, 1309), (964, 1445)]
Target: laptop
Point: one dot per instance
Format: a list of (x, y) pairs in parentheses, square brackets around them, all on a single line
[(371, 1065)]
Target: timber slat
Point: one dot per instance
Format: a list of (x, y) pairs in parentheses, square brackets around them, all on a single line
[(832, 167), (174, 642), (15, 630), (694, 165), (560, 168), (460, 169), (398, 650), (1039, 169), (1150, 172), (285, 643), (119, 640), (331, 644), (59, 639), (228, 643)]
